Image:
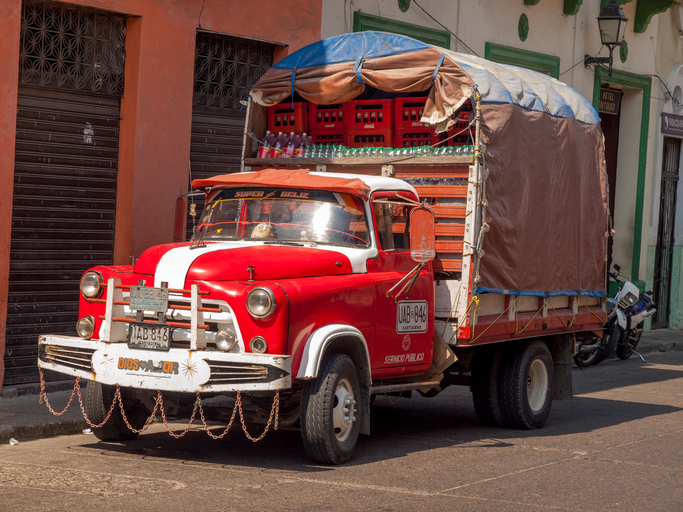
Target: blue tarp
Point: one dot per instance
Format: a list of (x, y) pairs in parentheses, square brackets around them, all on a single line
[(497, 83)]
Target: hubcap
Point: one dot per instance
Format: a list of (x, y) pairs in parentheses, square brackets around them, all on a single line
[(537, 385), (344, 410)]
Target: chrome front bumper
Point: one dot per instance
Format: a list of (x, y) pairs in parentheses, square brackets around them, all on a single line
[(179, 369)]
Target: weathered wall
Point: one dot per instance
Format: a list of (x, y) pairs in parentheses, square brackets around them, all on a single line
[(156, 108)]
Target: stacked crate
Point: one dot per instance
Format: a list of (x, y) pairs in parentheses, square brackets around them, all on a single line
[(367, 123)]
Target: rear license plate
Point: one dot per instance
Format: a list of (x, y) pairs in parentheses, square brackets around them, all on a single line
[(149, 336), (148, 298)]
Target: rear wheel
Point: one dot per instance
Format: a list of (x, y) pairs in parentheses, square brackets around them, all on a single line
[(98, 400), (485, 370), (526, 386), (329, 415)]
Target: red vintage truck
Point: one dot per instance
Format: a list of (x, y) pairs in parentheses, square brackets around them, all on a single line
[(312, 285)]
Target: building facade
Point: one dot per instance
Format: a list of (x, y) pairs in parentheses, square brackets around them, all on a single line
[(107, 109), (639, 103)]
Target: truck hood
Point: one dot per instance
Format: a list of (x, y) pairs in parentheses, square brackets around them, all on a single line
[(174, 263)]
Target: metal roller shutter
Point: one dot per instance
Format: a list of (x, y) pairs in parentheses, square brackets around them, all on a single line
[(226, 68), (63, 215)]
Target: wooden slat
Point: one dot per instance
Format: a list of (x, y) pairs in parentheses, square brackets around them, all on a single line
[(447, 265), (449, 246), (443, 211), (459, 191), (449, 229)]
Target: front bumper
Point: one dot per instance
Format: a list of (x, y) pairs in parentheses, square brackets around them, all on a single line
[(179, 369)]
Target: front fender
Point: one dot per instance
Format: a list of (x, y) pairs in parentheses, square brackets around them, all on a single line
[(317, 343)]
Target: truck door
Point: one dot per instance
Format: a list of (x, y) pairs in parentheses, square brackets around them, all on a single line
[(404, 325)]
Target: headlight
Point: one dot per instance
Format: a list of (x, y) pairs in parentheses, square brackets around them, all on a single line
[(91, 285), (260, 303), (258, 345), (85, 327), (225, 339)]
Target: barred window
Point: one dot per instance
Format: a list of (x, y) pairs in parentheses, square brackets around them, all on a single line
[(226, 68), (63, 47)]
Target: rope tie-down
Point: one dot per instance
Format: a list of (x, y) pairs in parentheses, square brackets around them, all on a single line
[(273, 419)]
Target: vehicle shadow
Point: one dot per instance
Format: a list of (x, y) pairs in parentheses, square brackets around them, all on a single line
[(414, 425)]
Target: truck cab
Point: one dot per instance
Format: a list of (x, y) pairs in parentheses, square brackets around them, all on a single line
[(290, 280)]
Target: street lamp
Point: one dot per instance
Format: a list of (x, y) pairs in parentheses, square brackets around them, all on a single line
[(612, 23)]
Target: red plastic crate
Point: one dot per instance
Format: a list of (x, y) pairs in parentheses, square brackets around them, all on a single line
[(412, 137), (370, 138), (284, 118), (369, 114), (408, 111), (326, 117), (330, 137)]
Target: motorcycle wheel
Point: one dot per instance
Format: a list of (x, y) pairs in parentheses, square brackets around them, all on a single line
[(587, 358), (625, 351), (610, 346)]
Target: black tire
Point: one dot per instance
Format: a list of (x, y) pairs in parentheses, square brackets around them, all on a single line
[(526, 386), (614, 334), (625, 351), (328, 431), (485, 378), (98, 400)]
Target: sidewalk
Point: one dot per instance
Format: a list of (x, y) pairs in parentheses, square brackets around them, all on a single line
[(23, 418)]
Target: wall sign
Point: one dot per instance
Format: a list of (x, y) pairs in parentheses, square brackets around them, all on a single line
[(609, 101), (672, 124)]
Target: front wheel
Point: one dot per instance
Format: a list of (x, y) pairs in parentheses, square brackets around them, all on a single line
[(612, 335), (625, 350), (98, 400), (526, 386), (330, 421)]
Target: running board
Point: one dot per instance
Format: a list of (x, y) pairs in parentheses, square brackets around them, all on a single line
[(406, 386)]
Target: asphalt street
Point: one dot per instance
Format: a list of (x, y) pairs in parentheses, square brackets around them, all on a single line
[(616, 446)]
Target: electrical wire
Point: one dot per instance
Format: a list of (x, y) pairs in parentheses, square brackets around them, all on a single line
[(568, 70), (446, 28)]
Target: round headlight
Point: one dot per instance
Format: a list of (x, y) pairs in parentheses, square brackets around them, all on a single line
[(225, 339), (260, 303), (258, 345), (91, 285), (85, 327)]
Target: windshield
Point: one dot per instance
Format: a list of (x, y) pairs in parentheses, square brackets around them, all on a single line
[(279, 215)]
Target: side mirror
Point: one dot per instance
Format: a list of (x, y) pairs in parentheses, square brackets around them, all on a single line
[(422, 240), (617, 267)]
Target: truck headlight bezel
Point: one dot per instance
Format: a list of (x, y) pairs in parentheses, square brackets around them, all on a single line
[(85, 327), (91, 284), (261, 302)]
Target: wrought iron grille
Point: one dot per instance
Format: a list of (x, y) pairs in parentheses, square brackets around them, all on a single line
[(226, 68), (665, 235), (63, 47)]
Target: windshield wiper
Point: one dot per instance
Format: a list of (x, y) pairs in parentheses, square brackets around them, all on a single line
[(283, 242)]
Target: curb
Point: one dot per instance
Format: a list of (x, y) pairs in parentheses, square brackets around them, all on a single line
[(649, 348), (31, 432)]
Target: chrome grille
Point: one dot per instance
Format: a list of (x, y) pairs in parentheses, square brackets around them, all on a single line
[(73, 357), (223, 372)]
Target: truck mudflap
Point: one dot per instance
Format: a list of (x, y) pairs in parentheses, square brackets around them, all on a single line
[(180, 370)]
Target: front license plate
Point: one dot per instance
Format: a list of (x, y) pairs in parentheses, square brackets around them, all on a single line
[(149, 336), (148, 298)]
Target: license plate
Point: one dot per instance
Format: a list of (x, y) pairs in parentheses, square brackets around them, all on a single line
[(411, 316), (148, 298), (149, 336)]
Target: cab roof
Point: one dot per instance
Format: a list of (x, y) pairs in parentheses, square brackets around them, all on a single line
[(354, 184)]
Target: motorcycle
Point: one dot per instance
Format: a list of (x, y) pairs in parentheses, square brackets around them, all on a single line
[(626, 314)]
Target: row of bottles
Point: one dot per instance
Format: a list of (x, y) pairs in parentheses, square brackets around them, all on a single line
[(284, 146), (295, 146)]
